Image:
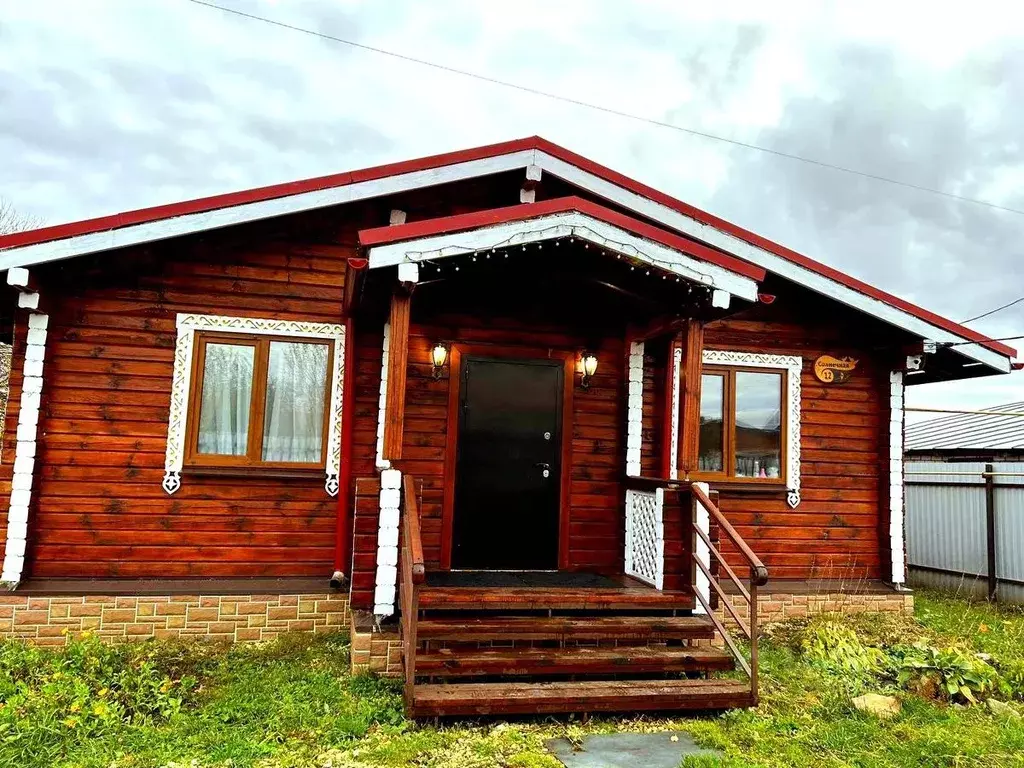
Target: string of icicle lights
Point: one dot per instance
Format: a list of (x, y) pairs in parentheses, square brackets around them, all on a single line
[(557, 233)]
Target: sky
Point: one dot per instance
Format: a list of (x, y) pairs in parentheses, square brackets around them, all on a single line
[(110, 105)]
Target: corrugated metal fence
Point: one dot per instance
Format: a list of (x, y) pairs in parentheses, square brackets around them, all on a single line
[(962, 519)]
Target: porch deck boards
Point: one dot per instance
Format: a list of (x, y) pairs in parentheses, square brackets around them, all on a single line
[(582, 696), (563, 628), (625, 598), (488, 662)]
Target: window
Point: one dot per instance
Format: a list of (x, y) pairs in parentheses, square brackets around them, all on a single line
[(742, 424), (251, 393), (258, 401)]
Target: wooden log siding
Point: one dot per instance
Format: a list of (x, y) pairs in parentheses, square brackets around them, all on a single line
[(833, 533), (99, 510)]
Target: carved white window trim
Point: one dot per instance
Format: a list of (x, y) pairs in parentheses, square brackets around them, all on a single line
[(793, 365), (188, 324)]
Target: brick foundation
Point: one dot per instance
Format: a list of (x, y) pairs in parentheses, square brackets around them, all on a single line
[(375, 649), (48, 620), (778, 606)]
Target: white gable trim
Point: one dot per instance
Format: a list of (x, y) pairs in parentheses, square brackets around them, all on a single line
[(560, 225), (265, 209), (207, 220), (765, 259), (188, 324)]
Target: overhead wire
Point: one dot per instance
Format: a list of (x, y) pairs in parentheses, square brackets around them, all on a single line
[(607, 110)]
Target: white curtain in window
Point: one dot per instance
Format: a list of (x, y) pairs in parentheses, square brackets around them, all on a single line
[(227, 393), (294, 422)]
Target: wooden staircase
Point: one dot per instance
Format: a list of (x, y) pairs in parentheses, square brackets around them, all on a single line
[(496, 651)]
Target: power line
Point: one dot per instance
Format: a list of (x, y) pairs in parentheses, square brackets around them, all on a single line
[(983, 341), (993, 311), (608, 110)]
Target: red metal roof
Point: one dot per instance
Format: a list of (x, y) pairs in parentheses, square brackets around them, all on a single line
[(144, 215), (493, 216)]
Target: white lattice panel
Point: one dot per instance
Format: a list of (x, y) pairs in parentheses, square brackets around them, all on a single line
[(645, 536)]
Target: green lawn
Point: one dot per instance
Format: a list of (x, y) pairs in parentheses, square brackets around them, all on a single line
[(292, 703)]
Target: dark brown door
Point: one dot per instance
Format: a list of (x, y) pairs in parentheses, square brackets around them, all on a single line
[(507, 476)]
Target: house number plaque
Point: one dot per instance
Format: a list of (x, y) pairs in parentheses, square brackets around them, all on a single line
[(834, 370)]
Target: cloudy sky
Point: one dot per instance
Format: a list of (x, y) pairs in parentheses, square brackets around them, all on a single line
[(113, 104)]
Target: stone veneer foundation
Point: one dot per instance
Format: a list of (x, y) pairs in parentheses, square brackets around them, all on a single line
[(51, 620)]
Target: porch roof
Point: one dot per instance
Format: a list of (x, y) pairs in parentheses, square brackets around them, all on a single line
[(553, 219)]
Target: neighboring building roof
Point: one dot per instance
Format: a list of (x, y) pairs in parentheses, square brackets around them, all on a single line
[(161, 222), (988, 430)]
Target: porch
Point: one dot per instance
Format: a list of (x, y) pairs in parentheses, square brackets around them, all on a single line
[(533, 410)]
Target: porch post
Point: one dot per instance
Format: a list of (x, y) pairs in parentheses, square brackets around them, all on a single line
[(689, 407), (398, 359)]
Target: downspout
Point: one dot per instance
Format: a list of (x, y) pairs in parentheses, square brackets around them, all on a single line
[(343, 524)]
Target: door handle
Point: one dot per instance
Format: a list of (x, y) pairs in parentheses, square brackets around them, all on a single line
[(543, 465)]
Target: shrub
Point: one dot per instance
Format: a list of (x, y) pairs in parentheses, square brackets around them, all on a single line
[(948, 673), (837, 648), (87, 688)]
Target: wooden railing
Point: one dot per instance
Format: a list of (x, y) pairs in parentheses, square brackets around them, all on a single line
[(758, 577), (413, 572)]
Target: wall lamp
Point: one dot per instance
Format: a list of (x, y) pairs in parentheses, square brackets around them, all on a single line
[(587, 367), (438, 358)]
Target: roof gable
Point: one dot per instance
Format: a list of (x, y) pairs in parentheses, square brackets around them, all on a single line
[(161, 222)]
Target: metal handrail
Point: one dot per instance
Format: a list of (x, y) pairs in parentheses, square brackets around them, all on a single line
[(758, 577), (413, 574)]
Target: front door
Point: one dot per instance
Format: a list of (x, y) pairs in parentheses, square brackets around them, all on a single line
[(507, 476)]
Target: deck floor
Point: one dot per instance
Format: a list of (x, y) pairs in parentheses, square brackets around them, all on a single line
[(528, 579)]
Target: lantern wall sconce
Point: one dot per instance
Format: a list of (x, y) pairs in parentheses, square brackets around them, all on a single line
[(587, 368), (438, 358)]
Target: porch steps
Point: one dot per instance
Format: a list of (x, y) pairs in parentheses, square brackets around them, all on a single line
[(562, 628), (552, 598), (505, 662), (583, 696)]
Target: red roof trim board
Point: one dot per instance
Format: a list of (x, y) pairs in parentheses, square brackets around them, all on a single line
[(476, 220), (259, 194), (158, 213)]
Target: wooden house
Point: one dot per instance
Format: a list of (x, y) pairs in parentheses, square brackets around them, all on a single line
[(542, 428)]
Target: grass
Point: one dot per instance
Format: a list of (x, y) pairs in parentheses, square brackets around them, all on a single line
[(292, 703)]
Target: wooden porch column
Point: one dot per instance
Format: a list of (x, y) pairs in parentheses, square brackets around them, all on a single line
[(398, 359), (689, 386)]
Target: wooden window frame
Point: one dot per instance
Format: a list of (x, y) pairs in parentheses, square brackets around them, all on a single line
[(251, 461), (727, 475)]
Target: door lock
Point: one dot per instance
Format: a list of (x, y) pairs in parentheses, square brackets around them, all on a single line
[(545, 467)]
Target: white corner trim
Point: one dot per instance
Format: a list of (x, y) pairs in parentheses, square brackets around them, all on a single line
[(701, 552), (896, 511), (25, 450), (559, 225), (635, 409), (793, 365), (188, 324), (382, 402), (677, 360), (386, 578)]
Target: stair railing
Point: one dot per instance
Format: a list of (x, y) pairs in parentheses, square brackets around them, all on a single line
[(413, 574), (758, 577)]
